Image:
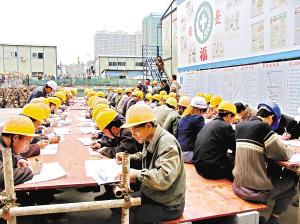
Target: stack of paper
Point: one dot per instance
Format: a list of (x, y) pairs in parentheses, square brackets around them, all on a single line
[(65, 113), (67, 121), (84, 119), (61, 131), (49, 149), (295, 158), (92, 152), (86, 141), (83, 115), (50, 171), (103, 171), (87, 124), (292, 142), (88, 130)]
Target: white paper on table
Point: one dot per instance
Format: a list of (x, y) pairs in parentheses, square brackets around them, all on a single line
[(62, 137), (88, 130), (65, 122), (83, 115), (292, 142), (103, 171), (87, 124), (50, 171), (92, 152), (295, 158), (65, 113), (49, 149), (86, 141), (61, 131), (84, 119)]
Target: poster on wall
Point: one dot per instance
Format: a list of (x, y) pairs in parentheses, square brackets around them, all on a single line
[(226, 33)]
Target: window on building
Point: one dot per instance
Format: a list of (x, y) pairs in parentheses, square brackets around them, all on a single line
[(112, 63), (139, 64), (40, 55), (121, 63), (35, 74), (37, 55), (9, 54)]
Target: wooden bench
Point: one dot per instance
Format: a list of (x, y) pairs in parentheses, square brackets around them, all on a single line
[(206, 199)]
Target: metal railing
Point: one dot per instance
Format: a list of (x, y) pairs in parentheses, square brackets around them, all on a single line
[(8, 198)]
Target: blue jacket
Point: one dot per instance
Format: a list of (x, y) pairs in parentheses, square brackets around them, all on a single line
[(188, 128)]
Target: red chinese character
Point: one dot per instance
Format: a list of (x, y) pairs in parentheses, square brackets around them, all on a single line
[(190, 32), (218, 16), (203, 54), (290, 64)]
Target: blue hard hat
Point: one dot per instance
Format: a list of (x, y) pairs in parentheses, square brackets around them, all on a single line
[(274, 108)]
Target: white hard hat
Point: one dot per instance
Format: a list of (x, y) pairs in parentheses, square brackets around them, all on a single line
[(199, 102), (52, 84), (139, 82)]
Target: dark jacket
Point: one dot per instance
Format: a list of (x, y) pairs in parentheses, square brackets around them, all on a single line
[(286, 124), (212, 143), (295, 131), (123, 142), (21, 174), (38, 92), (166, 88), (188, 128), (124, 109), (130, 103)]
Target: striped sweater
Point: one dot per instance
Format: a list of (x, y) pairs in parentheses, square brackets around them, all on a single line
[(256, 141)]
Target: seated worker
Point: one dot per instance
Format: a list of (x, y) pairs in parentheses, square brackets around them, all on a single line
[(118, 97), (155, 100), (172, 119), (286, 124), (213, 106), (136, 97), (17, 134), (216, 137), (42, 90), (163, 111), (119, 139), (189, 126), (244, 113), (155, 89), (162, 177), (128, 93), (255, 142), (54, 104)]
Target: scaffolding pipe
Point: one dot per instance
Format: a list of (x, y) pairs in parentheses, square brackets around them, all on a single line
[(70, 207), (125, 203), (9, 182)]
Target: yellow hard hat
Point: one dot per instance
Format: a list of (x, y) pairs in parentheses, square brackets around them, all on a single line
[(105, 117), (157, 97), (215, 101), (163, 93), (68, 92), (19, 125), (61, 96), (61, 90), (101, 94), (119, 90), (207, 97), (137, 89), (172, 94), (97, 101), (56, 101), (172, 101), (97, 109), (34, 111), (128, 90), (64, 93), (154, 82), (46, 109), (149, 97), (226, 105), (90, 94), (138, 114), (37, 100), (46, 101), (184, 101), (200, 94), (108, 88), (166, 97), (102, 101), (91, 100), (148, 94), (139, 94)]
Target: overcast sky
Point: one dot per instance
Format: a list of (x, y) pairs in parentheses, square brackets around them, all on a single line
[(71, 25)]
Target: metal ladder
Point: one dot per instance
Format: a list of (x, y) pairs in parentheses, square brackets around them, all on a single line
[(150, 62)]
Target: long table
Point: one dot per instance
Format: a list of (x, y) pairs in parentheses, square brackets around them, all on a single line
[(71, 155)]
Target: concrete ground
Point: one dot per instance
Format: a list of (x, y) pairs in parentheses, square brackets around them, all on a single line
[(102, 216)]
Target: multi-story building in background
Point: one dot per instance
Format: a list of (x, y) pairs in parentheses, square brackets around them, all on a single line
[(152, 35), (117, 43)]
